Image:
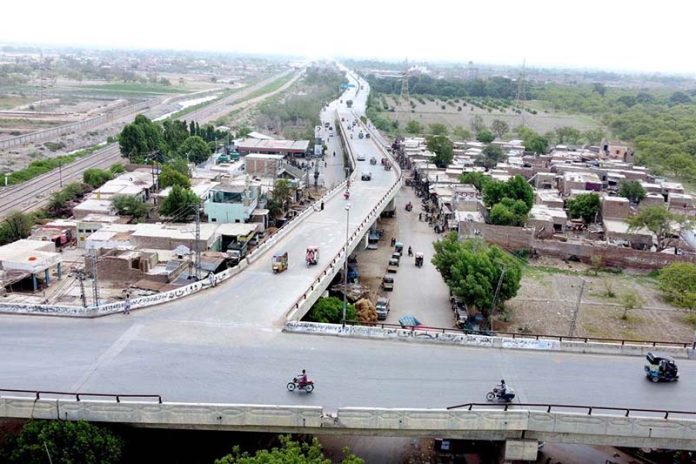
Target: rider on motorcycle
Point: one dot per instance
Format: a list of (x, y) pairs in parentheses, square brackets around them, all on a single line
[(502, 388), (302, 378)]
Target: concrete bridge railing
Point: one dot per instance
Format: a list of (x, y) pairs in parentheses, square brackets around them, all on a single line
[(516, 422)]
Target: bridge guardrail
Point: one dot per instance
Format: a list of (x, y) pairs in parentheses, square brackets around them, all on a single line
[(77, 395), (516, 335), (550, 407)]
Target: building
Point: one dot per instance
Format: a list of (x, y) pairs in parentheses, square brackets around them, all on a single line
[(549, 198), (232, 203), (29, 259), (259, 165), (618, 232), (615, 207), (140, 184), (93, 206), (272, 147), (547, 221), (581, 181)]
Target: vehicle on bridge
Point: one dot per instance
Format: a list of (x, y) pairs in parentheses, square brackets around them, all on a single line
[(661, 368), (361, 158), (373, 160), (496, 394), (367, 176), (312, 255), (419, 259), (280, 262), (297, 385)]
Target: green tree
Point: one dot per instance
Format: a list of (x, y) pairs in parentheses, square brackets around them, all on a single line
[(515, 188), (15, 226), (127, 205), (414, 127), (509, 212), (438, 128), (490, 156), (584, 206), (180, 165), (65, 442), (678, 283), (477, 124), (679, 97), (140, 138), (593, 136), (633, 190), (289, 452), (477, 179), (282, 193), (180, 204), (174, 134), (462, 133), (660, 221), (485, 136), (169, 177), (473, 269), (568, 135), (96, 177), (500, 127), (195, 149), (600, 88), (537, 144), (443, 148), (116, 169), (329, 310)]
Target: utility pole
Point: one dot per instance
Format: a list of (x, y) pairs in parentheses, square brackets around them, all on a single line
[(495, 296), (81, 278), (95, 280), (60, 172), (198, 237), (577, 310)]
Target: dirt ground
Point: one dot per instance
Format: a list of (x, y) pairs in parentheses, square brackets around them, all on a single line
[(432, 112), (549, 294)]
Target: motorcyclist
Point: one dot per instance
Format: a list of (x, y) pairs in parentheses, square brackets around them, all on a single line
[(502, 388), (302, 379)]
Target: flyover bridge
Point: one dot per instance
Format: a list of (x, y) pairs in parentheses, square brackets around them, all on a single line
[(223, 349)]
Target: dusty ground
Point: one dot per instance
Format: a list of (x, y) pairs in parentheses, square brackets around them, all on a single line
[(549, 294), (432, 112)]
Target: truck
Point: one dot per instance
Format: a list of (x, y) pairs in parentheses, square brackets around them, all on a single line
[(237, 251)]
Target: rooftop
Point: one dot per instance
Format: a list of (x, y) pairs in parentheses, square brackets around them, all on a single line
[(273, 145)]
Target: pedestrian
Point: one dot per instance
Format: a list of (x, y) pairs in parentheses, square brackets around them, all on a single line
[(126, 306), (322, 205), (420, 216)]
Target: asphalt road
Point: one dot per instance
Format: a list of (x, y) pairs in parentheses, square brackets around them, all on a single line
[(225, 345)]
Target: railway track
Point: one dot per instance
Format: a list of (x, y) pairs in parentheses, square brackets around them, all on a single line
[(34, 194)]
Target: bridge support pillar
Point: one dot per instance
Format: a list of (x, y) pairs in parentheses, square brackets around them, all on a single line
[(520, 450)]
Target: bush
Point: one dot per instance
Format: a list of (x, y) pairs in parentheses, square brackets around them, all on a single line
[(127, 205), (96, 177), (329, 310), (678, 284)]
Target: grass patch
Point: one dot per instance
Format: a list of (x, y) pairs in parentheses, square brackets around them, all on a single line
[(132, 88), (268, 88), (541, 270), (226, 93), (36, 168), (690, 318)]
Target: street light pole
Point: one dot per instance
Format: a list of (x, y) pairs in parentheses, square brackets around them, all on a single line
[(345, 269)]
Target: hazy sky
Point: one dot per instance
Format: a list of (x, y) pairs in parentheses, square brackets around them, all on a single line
[(606, 34)]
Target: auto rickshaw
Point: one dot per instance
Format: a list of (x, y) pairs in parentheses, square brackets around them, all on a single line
[(373, 160), (279, 262), (419, 259), (388, 282), (399, 247), (312, 255), (661, 368)]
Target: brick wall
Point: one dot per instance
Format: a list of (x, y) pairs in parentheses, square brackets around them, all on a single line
[(515, 238)]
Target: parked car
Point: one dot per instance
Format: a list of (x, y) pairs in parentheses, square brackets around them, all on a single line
[(388, 282), (382, 307), (393, 265), (366, 176)]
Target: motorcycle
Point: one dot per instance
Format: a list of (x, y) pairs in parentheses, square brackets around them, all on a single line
[(346, 194), (495, 395), (295, 385)]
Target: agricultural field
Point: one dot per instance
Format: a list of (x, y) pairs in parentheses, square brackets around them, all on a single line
[(458, 112)]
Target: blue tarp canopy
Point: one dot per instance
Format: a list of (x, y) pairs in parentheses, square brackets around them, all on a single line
[(409, 321)]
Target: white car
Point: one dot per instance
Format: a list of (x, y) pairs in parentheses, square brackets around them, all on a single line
[(361, 158)]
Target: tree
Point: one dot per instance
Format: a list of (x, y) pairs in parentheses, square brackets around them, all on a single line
[(16, 226), (477, 124), (65, 442), (116, 169), (414, 127), (515, 188), (96, 177), (290, 451), (438, 129), (443, 148), (584, 206), (679, 97), (195, 149), (633, 190), (537, 144), (180, 204), (174, 134), (660, 221), (169, 177), (568, 135), (600, 88), (477, 179), (127, 205), (490, 156), (473, 269), (678, 283), (630, 300), (180, 165), (329, 310), (461, 133), (485, 136), (140, 138), (500, 127), (282, 193), (509, 212), (593, 136)]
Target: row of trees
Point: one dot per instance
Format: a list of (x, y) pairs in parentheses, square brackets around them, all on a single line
[(494, 87)]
